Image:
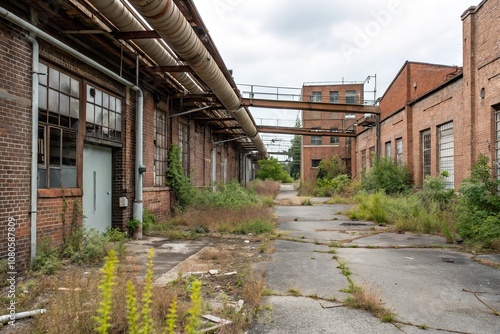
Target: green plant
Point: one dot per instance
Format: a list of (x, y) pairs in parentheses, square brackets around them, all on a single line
[(331, 168), (47, 260), (133, 225), (478, 212), (115, 235), (147, 320), (272, 169), (177, 179), (108, 280), (434, 190), (387, 176), (195, 309), (149, 219), (332, 186), (170, 323), (132, 313)]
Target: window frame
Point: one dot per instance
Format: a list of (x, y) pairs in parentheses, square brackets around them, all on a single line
[(351, 96), (59, 115), (334, 96), (426, 149), (160, 142), (399, 150), (316, 96), (446, 152)]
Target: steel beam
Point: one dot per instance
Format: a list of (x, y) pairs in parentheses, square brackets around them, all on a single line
[(311, 106), (303, 132)]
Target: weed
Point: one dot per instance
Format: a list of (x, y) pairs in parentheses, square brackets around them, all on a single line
[(423, 326), (108, 280), (316, 242), (3, 272), (146, 319), (171, 318), (253, 290), (132, 313), (335, 244), (369, 300), (307, 202), (294, 292), (195, 309)]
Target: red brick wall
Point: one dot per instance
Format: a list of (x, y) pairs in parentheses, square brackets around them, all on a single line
[(15, 140), (325, 120), (482, 67), (439, 108)]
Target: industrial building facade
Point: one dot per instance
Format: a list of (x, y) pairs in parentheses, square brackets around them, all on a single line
[(87, 117), (435, 118)]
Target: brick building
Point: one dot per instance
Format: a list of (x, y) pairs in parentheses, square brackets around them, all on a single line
[(438, 118), (90, 103), (317, 148)]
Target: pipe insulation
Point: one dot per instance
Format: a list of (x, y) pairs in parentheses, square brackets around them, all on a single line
[(124, 20), (170, 23)]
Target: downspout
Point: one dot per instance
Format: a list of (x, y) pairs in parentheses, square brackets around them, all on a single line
[(139, 167), (139, 105), (34, 144)]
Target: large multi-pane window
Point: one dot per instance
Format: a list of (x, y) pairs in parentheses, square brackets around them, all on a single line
[(446, 153), (184, 145), (350, 97), (426, 152), (399, 150), (104, 115), (388, 149), (316, 97), (59, 112), (334, 140), (334, 97), (160, 148)]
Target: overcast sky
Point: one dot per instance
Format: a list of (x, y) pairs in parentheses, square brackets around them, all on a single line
[(287, 43)]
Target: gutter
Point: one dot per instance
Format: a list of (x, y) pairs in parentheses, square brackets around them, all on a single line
[(138, 206)]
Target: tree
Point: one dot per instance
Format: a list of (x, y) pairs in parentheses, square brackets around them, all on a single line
[(329, 169), (294, 153), (272, 169)]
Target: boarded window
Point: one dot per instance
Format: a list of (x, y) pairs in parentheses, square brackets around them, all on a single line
[(399, 150)]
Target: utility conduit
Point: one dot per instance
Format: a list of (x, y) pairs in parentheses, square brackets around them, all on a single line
[(122, 18), (172, 26)]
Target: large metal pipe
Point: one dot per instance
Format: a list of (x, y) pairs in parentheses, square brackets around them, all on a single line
[(122, 18), (173, 27)]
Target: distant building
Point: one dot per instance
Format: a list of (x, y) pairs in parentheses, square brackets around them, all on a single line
[(437, 118), (320, 147)]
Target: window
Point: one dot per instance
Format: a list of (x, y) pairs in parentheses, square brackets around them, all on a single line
[(349, 115), (446, 153), (315, 163), (104, 115), (363, 159), (316, 140), (426, 153), (334, 140), (399, 150), (388, 149), (160, 148), (316, 97), (59, 112), (184, 146), (334, 97), (350, 97), (372, 155)]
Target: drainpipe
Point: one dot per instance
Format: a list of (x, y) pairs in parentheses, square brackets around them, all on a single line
[(140, 168), (34, 144), (139, 105)]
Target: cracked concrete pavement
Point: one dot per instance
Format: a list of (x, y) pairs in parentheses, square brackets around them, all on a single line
[(430, 286)]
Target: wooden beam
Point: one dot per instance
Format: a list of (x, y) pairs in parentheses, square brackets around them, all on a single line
[(312, 106)]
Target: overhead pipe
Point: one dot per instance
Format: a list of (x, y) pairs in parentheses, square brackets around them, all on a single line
[(138, 206), (170, 23), (123, 19)]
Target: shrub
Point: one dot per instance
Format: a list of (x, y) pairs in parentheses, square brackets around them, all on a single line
[(47, 258), (387, 176), (273, 170), (331, 168), (231, 195), (434, 190), (478, 212), (333, 186), (177, 180)]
